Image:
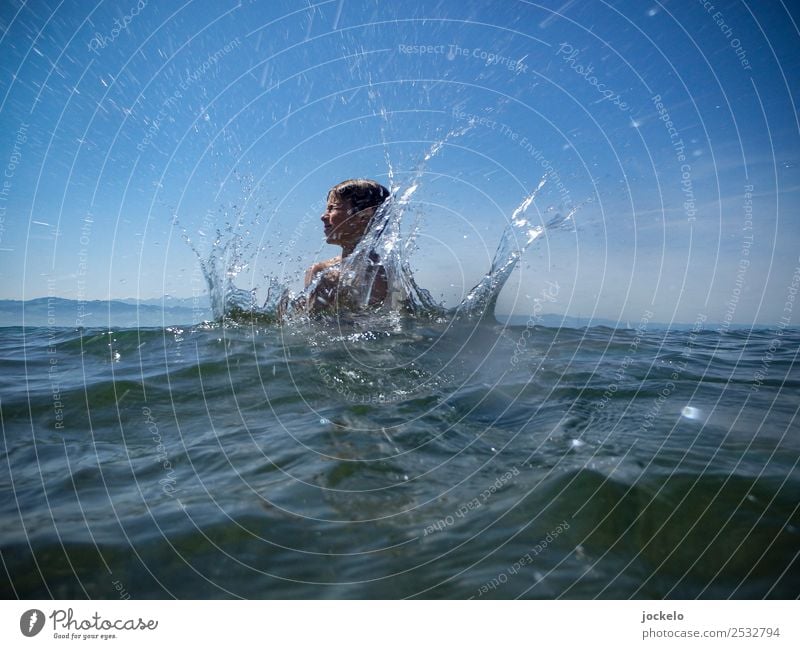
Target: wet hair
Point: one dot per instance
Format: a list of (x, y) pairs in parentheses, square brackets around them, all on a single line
[(360, 193)]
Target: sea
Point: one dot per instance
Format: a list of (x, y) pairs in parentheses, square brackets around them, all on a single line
[(399, 458), (414, 452)]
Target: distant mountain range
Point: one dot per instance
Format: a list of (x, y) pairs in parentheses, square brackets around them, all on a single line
[(60, 312), (169, 301), (572, 322), (168, 311)]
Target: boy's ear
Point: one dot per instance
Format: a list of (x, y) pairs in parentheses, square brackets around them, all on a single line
[(366, 213)]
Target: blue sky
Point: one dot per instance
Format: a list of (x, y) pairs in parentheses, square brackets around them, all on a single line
[(673, 126)]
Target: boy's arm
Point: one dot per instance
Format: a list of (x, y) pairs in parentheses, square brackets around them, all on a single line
[(319, 267)]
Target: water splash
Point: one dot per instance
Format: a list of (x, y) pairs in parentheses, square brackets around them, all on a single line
[(220, 269), (381, 255), (518, 235), (384, 252), (226, 260)]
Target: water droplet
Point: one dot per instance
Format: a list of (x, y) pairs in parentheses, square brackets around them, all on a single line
[(324, 421)]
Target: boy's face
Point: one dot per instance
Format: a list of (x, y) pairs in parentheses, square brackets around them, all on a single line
[(341, 227)]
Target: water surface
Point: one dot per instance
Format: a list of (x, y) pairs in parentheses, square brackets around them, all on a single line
[(399, 459)]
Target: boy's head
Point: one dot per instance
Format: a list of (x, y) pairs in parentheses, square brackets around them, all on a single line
[(359, 193), (351, 205)]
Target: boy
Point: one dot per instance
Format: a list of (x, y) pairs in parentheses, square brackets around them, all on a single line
[(348, 215)]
